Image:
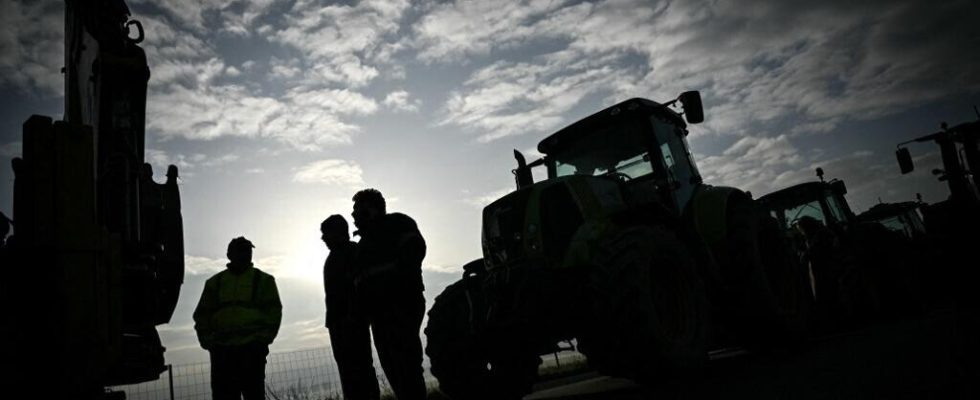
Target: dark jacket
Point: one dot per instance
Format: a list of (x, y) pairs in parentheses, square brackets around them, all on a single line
[(338, 283), (389, 259)]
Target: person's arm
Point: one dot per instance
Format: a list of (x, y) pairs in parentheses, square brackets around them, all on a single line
[(271, 307), (326, 307), (410, 244), (202, 316)]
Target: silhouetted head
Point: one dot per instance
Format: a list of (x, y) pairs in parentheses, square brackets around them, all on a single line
[(239, 253), (334, 231), (147, 172), (172, 174), (369, 204), (808, 225)]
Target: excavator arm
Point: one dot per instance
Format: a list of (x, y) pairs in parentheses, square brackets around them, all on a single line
[(96, 260)]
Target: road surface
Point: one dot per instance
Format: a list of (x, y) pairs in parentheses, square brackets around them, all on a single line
[(928, 357)]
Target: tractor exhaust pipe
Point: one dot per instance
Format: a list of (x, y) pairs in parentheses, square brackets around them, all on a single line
[(522, 174)]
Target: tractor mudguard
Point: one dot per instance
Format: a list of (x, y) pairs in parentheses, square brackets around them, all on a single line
[(708, 212)]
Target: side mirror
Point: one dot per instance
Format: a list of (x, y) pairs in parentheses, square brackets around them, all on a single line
[(904, 160), (691, 103), (838, 186)]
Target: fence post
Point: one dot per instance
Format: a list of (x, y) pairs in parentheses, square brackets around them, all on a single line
[(170, 379)]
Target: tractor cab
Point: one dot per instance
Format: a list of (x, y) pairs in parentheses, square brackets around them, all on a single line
[(638, 142), (823, 201), (633, 153), (904, 218)]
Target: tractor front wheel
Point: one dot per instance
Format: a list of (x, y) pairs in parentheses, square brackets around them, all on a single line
[(649, 313), (468, 363)]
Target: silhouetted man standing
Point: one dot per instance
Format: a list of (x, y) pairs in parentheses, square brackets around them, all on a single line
[(236, 320), (349, 334), (388, 283), (4, 229)]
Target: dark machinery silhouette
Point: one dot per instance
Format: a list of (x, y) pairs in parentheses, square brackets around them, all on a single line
[(952, 223), (959, 147), (96, 260), (904, 217), (822, 200), (878, 266), (624, 249)]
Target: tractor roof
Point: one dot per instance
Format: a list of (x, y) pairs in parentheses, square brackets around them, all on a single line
[(884, 210), (795, 194), (609, 116)]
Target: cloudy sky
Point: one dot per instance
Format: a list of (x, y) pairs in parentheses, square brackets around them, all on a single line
[(277, 112)]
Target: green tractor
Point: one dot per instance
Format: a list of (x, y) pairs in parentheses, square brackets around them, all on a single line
[(861, 270), (622, 248), (904, 218), (823, 201)]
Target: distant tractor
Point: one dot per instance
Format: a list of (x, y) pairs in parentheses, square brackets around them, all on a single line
[(624, 249), (959, 147), (954, 224), (868, 271), (821, 200), (904, 218)]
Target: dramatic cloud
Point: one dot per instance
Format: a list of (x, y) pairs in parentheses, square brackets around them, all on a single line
[(446, 269), (203, 266), (752, 163), (12, 149), (188, 13), (32, 46), (330, 172), (306, 119), (455, 29), (506, 99), (401, 101), (339, 41), (483, 200), (232, 71), (764, 165), (756, 62), (195, 94), (187, 164)]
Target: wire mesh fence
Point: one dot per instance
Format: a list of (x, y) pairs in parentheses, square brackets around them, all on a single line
[(309, 374)]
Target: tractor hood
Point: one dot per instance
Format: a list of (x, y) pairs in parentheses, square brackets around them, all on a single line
[(543, 223)]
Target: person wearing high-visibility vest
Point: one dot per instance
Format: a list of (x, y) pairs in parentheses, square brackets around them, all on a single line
[(388, 287), (236, 320)]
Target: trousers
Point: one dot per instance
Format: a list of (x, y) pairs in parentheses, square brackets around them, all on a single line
[(238, 372), (395, 325), (350, 339)]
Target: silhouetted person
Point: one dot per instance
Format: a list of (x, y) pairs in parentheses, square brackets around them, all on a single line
[(4, 229), (7, 287), (835, 280), (348, 326), (236, 320), (389, 286)]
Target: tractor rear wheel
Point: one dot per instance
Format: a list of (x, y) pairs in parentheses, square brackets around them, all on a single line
[(469, 363), (649, 316)]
